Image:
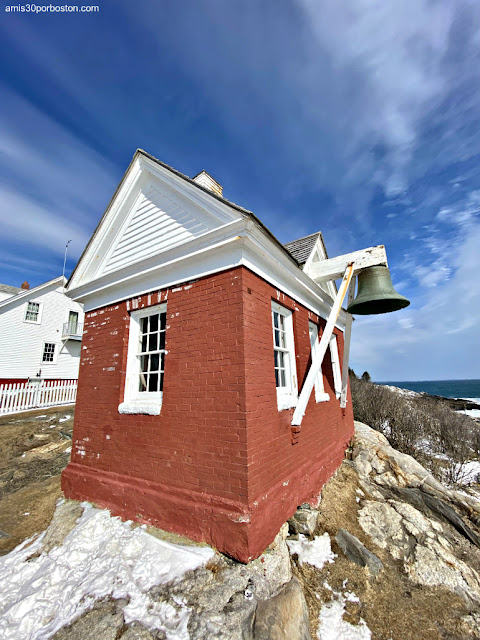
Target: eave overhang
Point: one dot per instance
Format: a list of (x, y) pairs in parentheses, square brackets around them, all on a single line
[(242, 242)]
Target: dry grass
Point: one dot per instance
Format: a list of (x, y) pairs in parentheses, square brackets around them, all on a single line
[(393, 607), (32, 457)]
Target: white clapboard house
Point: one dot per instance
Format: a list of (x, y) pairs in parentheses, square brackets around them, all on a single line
[(40, 333)]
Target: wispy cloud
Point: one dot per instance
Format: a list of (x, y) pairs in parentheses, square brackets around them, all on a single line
[(51, 183), (359, 118)]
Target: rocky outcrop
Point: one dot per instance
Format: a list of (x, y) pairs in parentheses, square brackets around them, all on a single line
[(357, 552), (223, 597), (283, 617), (412, 516), (304, 520)]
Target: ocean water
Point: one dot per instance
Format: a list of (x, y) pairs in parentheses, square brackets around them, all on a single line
[(468, 389)]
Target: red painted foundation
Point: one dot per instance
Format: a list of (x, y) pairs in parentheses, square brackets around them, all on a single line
[(220, 463)]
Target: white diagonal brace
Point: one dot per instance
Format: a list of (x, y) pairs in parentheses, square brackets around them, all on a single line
[(334, 268), (346, 345), (322, 347)]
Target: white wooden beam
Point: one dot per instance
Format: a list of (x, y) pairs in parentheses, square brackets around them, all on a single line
[(334, 268), (322, 347), (346, 346)]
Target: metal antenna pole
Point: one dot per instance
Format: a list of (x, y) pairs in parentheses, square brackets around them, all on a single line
[(65, 261)]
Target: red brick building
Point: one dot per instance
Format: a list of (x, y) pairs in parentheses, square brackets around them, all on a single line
[(199, 331)]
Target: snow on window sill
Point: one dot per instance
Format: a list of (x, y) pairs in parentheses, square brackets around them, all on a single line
[(149, 408), (322, 397), (286, 401)]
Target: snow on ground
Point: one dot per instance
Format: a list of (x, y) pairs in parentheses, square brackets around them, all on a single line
[(332, 626), (102, 556), (467, 472), (473, 413), (316, 552), (67, 417), (402, 392)]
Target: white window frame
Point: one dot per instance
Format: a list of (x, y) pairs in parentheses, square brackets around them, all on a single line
[(55, 354), (135, 401), (320, 394), (39, 317), (337, 374), (287, 397)]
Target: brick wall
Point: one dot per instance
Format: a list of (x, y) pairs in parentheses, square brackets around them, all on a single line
[(287, 465), (220, 463)]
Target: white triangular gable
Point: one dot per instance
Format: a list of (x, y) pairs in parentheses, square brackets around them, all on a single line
[(153, 210), (156, 222), (319, 254)]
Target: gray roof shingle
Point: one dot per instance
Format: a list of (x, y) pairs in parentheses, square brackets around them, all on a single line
[(301, 249), (6, 288)]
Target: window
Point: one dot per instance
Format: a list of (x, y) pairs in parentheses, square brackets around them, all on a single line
[(337, 376), (146, 361), (73, 322), (32, 312), (284, 357), (49, 353), (320, 394)]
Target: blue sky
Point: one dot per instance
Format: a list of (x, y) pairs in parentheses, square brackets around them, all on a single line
[(359, 118)]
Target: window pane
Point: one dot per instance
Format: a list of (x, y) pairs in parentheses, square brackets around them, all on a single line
[(154, 361), (153, 382), (153, 342), (153, 323), (281, 359), (144, 363), (143, 382), (162, 361), (277, 380), (48, 352), (275, 358), (32, 311), (150, 353), (277, 338), (275, 319), (282, 377)]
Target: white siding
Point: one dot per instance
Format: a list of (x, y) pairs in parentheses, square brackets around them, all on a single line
[(156, 223), (21, 343)]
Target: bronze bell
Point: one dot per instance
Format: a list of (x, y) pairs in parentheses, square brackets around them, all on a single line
[(376, 294)]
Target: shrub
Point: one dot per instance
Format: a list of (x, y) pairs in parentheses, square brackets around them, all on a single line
[(424, 427)]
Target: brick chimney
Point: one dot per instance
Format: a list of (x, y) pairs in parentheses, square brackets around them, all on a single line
[(205, 180), (25, 286)]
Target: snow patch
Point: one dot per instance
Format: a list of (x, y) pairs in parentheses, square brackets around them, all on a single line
[(101, 557), (332, 626), (148, 408), (473, 413), (468, 471), (316, 552)]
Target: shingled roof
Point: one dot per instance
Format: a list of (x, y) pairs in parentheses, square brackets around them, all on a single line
[(6, 288), (302, 248)]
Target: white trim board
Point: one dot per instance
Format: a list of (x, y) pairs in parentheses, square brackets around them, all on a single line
[(243, 245)]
